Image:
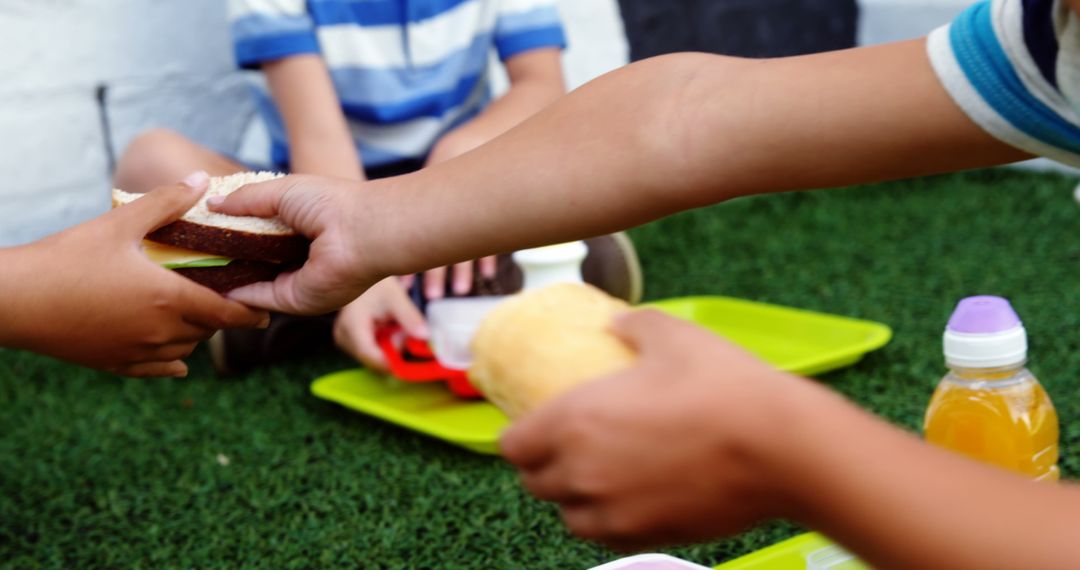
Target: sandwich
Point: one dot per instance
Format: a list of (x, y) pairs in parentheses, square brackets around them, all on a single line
[(219, 251)]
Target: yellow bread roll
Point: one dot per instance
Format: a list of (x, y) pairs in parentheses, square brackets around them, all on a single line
[(539, 344)]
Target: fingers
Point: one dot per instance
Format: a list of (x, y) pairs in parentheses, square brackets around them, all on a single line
[(659, 339), (278, 295), (588, 521), (549, 483), (173, 369), (205, 308), (529, 443), (489, 266), (263, 199), (354, 333), (648, 330), (359, 342), (407, 280), (462, 279), (264, 294), (190, 332), (294, 293), (435, 283), (174, 351), (409, 317), (161, 206)]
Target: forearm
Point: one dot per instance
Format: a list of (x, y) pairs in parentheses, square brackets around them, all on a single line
[(16, 326), (8, 323), (900, 503), (572, 157), (319, 137), (683, 131)]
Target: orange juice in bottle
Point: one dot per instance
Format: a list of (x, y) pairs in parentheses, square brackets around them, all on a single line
[(989, 407)]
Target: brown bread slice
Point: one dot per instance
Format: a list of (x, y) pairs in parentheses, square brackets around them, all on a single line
[(236, 274)]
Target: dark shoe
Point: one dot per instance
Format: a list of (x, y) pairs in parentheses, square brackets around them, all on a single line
[(237, 351), (613, 266)]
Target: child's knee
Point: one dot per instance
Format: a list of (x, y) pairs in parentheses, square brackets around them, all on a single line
[(148, 158), (155, 145)]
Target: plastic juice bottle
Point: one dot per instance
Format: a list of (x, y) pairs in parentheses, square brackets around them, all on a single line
[(989, 407)]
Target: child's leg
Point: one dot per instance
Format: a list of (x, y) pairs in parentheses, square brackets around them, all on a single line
[(160, 156)]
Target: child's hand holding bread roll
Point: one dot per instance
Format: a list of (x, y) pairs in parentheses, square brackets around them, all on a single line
[(667, 443)]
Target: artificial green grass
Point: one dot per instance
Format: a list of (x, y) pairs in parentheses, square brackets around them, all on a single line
[(255, 472)]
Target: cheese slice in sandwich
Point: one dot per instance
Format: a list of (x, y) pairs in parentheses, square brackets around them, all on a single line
[(220, 251), (171, 257)]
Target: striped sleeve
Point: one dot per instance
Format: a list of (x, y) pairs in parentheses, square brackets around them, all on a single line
[(267, 30), (1003, 75), (525, 25)]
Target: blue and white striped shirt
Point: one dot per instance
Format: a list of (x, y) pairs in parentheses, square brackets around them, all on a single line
[(1014, 67), (405, 71)]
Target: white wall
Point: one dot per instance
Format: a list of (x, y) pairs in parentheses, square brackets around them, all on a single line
[(882, 21), (164, 63)]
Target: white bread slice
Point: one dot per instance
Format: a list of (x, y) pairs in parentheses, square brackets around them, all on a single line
[(223, 186), (239, 237)]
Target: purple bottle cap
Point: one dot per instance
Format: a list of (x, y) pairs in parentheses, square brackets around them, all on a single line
[(983, 315)]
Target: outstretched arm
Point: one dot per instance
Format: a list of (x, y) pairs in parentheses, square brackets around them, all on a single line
[(651, 139), (688, 130)]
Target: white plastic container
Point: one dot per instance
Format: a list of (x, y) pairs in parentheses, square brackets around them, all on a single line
[(543, 266), (453, 322)]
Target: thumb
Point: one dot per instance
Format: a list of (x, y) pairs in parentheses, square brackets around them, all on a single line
[(262, 199), (294, 293), (269, 295), (162, 205), (659, 337), (648, 331)]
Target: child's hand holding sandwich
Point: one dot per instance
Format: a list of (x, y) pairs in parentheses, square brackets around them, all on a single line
[(90, 296)]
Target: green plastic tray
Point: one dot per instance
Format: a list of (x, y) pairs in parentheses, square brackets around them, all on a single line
[(794, 340), (791, 554), (426, 408)]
